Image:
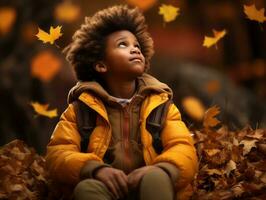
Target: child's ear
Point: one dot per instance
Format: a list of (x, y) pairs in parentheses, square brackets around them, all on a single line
[(100, 67)]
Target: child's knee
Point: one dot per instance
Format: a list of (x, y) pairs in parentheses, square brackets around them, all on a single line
[(91, 189), (156, 184)]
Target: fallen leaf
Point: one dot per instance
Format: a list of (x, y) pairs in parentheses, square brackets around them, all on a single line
[(67, 12), (143, 5), (209, 41), (254, 14), (42, 109), (54, 34), (45, 65), (7, 18), (209, 119), (212, 152), (230, 166), (169, 12), (193, 107), (248, 144)]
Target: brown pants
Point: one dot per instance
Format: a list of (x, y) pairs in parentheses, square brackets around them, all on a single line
[(155, 185)]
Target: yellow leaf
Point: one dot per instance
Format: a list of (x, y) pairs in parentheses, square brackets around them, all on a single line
[(7, 19), (254, 14), (45, 65), (209, 119), (193, 107), (209, 41), (67, 12), (54, 34), (42, 109), (143, 5), (169, 12)]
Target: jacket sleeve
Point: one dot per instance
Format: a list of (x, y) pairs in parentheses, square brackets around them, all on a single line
[(179, 147), (63, 157)]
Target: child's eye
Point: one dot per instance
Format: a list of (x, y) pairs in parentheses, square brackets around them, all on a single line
[(137, 45), (122, 44)]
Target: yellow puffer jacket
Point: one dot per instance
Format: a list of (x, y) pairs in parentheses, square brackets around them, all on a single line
[(65, 160)]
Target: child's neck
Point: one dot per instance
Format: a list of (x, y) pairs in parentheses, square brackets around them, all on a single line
[(123, 90)]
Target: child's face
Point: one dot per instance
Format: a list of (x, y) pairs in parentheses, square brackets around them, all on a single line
[(123, 56)]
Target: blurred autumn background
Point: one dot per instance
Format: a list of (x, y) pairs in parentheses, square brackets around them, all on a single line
[(209, 52), (230, 74)]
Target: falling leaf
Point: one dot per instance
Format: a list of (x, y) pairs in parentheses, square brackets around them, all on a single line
[(42, 109), (209, 119), (143, 5), (193, 107), (209, 41), (45, 65), (169, 12), (54, 34), (254, 14), (213, 87), (7, 19), (67, 12), (248, 145)]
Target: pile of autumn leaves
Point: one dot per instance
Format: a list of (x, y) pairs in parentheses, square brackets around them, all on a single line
[(232, 165)]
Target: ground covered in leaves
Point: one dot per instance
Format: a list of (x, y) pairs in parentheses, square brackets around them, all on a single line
[(232, 166)]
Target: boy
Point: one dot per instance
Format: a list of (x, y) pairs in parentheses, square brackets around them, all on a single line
[(111, 53)]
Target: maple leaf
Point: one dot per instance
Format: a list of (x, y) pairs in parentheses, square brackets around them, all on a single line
[(54, 34), (169, 12), (209, 41), (45, 65), (209, 119), (42, 109), (7, 19), (193, 107), (67, 12), (254, 14)]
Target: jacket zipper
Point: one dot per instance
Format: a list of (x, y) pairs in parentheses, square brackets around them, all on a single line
[(126, 132)]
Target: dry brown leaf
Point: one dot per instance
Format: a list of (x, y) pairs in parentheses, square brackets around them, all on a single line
[(193, 107), (230, 166), (7, 18), (168, 12), (209, 41), (209, 119), (143, 5), (248, 145), (54, 34), (42, 109), (254, 14), (67, 12), (45, 65), (212, 152)]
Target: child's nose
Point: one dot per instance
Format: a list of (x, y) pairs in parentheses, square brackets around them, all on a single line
[(135, 50)]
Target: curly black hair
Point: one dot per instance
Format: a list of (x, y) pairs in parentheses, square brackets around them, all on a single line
[(88, 42)]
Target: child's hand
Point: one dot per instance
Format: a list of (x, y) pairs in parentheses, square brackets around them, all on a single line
[(114, 179), (135, 176)]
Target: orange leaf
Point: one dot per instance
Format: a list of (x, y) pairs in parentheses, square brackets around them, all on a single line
[(254, 14), (67, 12), (193, 107), (209, 41), (143, 5), (45, 66), (7, 19), (54, 34), (42, 109), (168, 12), (209, 119)]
